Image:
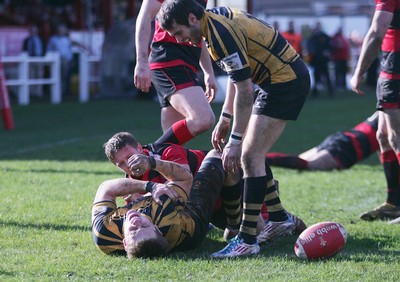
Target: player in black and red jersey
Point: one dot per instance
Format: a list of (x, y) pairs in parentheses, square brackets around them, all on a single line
[(340, 150), (172, 68), (384, 35)]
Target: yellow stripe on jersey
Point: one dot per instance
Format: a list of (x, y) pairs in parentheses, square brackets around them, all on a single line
[(246, 47)]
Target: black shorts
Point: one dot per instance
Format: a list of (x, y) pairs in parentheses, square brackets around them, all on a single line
[(169, 80), (283, 100), (341, 148), (387, 94)]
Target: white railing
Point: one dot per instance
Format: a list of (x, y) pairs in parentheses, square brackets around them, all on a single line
[(23, 81), (87, 75)]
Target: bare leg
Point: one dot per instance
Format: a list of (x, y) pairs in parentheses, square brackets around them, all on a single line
[(321, 160), (192, 104)]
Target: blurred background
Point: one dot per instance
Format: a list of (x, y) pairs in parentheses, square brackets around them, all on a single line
[(103, 33)]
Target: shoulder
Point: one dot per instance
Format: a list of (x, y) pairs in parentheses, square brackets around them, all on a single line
[(103, 207)]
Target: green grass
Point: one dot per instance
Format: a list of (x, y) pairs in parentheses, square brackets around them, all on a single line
[(52, 163)]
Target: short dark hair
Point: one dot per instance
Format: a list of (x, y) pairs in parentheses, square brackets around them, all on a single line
[(151, 248), (178, 11), (117, 142)]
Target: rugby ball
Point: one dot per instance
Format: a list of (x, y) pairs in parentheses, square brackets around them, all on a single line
[(321, 240)]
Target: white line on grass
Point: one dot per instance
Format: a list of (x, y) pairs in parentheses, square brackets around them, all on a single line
[(46, 146)]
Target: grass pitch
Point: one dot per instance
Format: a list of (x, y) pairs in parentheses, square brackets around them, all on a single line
[(52, 163)]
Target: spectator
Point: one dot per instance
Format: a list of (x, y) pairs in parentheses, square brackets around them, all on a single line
[(295, 39), (62, 44), (319, 50), (340, 57), (33, 46)]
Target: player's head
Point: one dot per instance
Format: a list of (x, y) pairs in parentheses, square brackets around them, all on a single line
[(120, 147), (181, 18), (142, 238), (117, 142)]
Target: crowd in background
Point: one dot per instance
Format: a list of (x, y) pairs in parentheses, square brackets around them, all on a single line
[(330, 58)]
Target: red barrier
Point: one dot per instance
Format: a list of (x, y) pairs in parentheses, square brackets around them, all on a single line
[(5, 101)]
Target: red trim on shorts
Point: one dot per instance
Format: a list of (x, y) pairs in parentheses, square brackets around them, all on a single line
[(184, 85), (389, 105), (391, 76), (170, 64)]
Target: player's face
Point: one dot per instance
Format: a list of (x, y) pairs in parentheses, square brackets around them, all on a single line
[(138, 227), (122, 156), (183, 33)]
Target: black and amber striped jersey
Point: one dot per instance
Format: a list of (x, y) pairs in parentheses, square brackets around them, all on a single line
[(247, 47), (172, 219)]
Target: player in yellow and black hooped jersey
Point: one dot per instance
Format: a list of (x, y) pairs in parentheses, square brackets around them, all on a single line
[(253, 54), (182, 222)]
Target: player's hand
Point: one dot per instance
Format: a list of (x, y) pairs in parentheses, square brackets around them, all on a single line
[(138, 164), (162, 189), (211, 87), (142, 77), (218, 136), (131, 197), (231, 157), (356, 82)]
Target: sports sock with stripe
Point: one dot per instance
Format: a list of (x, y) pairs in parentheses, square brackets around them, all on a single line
[(231, 197), (178, 133), (391, 169), (253, 195)]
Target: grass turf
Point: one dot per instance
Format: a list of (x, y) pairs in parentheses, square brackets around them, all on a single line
[(52, 163)]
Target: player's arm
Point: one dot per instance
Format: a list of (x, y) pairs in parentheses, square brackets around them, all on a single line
[(143, 33), (371, 46), (218, 138), (109, 190), (209, 77), (227, 107), (242, 105)]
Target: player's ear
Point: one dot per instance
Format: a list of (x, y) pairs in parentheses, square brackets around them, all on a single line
[(192, 19)]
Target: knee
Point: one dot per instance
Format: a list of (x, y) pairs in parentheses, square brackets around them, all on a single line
[(394, 141), (382, 138), (248, 161), (203, 122)]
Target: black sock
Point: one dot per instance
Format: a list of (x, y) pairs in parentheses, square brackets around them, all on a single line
[(253, 196)]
